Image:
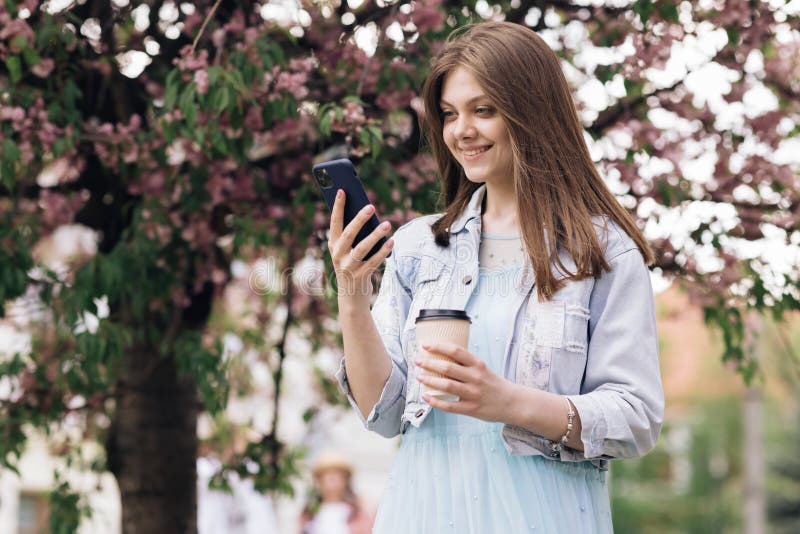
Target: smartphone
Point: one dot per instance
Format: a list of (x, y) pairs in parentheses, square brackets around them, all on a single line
[(341, 174)]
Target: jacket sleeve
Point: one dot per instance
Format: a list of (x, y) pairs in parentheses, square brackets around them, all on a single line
[(389, 313), (621, 404)]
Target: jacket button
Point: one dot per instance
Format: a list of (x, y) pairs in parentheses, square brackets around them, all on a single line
[(467, 280), (419, 413)]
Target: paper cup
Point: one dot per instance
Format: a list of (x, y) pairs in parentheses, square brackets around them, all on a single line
[(436, 325)]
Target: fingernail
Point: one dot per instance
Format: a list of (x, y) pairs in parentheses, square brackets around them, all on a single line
[(426, 346), (384, 225), (368, 208), (339, 193), (417, 362), (426, 398)]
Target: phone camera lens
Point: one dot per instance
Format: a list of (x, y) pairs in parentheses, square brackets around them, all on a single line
[(322, 177)]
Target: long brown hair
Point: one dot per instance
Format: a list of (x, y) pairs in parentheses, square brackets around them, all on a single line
[(558, 188)]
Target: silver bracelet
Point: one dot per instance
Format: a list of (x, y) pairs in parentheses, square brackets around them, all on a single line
[(560, 444)]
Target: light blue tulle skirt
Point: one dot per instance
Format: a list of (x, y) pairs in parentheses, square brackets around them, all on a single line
[(453, 474), (461, 479)]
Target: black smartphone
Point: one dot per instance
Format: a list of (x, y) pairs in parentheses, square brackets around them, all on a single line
[(341, 174)]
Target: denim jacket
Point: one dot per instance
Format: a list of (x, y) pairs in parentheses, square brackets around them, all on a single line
[(595, 341)]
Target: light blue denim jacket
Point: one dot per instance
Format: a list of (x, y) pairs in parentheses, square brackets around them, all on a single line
[(595, 341)]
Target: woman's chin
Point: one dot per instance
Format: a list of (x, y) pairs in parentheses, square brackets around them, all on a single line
[(475, 177)]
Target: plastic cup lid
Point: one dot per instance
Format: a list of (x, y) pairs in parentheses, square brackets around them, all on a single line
[(432, 313)]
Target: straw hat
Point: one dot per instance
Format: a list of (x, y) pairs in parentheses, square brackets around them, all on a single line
[(331, 460)]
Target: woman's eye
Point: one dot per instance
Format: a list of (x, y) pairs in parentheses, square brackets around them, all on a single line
[(481, 111)]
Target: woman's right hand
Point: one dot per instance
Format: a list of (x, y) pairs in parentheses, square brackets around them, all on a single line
[(353, 275)]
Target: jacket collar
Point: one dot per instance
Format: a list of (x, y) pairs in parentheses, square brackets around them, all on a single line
[(472, 211)]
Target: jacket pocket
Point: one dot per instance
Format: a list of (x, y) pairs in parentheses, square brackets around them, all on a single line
[(570, 358), (542, 334)]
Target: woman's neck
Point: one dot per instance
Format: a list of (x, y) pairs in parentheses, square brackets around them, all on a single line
[(499, 213)]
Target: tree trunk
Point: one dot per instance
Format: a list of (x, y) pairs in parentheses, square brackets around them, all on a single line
[(754, 470), (152, 448), (754, 497)]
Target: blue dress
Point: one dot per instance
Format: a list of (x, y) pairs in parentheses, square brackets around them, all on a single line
[(453, 473)]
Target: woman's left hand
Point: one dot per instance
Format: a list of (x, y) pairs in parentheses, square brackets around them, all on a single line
[(481, 392)]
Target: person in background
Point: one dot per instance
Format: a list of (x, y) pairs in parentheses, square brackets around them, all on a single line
[(333, 507)]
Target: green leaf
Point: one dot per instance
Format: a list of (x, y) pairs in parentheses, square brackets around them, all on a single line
[(668, 11), (309, 414), (325, 123), (236, 115), (8, 163), (249, 74), (224, 99), (605, 73), (31, 56), (60, 145), (218, 142), (667, 193), (19, 42), (237, 80), (187, 104), (733, 35), (633, 89), (643, 8), (375, 139), (14, 66), (173, 85), (47, 32), (170, 131), (72, 95), (277, 52), (213, 75)]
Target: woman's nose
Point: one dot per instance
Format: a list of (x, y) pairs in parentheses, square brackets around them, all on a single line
[(464, 127)]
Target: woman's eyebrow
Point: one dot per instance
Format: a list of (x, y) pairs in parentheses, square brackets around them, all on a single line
[(474, 98)]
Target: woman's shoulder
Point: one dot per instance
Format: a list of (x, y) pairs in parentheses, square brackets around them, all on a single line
[(420, 223), (613, 238), (415, 234)]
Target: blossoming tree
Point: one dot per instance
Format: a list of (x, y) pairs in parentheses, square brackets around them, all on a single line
[(183, 135)]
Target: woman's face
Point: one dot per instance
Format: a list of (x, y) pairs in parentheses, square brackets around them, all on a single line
[(474, 130), (332, 484)]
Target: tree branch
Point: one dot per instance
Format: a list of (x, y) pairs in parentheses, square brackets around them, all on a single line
[(611, 115), (518, 15), (205, 23), (272, 438)]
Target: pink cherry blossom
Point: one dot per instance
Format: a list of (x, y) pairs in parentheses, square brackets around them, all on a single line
[(201, 81)]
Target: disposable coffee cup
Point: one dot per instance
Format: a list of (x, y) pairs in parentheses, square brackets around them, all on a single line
[(436, 325)]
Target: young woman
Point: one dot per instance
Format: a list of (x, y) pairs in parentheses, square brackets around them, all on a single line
[(333, 507), (561, 373)]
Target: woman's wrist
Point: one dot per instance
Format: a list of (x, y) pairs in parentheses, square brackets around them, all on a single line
[(545, 414), (563, 441), (353, 304), (521, 414)]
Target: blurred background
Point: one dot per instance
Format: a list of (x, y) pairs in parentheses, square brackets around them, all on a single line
[(168, 334)]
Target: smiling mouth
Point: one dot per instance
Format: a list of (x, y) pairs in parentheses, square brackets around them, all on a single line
[(476, 151)]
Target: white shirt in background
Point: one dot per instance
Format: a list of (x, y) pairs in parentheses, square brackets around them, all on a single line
[(331, 519)]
